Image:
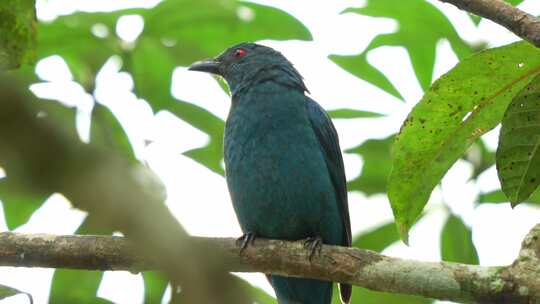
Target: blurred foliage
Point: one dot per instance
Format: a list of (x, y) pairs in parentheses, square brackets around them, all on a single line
[(350, 113), (6, 292), (443, 127), (107, 131), (18, 205), (17, 33), (498, 196), (155, 284), (518, 157), (168, 40), (365, 296), (377, 239), (375, 153), (456, 242), (462, 105), (420, 27), (480, 157)]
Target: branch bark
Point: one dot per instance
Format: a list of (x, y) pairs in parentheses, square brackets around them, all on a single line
[(517, 21), (518, 283)]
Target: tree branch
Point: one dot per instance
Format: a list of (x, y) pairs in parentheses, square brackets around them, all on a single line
[(517, 21), (517, 283)]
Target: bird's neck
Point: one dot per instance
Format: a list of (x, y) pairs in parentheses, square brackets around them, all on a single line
[(285, 75)]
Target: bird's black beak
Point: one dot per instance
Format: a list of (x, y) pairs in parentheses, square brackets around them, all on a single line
[(209, 66)]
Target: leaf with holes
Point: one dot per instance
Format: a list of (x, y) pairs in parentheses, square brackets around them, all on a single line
[(420, 27), (518, 153), (456, 242), (462, 105)]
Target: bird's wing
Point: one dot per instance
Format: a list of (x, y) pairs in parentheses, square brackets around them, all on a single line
[(328, 138)]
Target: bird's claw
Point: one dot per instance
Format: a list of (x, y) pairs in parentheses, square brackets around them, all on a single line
[(245, 240), (314, 244)]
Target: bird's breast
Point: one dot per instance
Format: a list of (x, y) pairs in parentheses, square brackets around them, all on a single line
[(275, 169)]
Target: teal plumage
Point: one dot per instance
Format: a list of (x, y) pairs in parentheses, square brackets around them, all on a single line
[(283, 163)]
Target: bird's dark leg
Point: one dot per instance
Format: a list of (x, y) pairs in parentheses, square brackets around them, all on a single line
[(314, 244), (245, 240)]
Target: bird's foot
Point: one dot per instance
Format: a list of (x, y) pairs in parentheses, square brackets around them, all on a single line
[(245, 240), (314, 244)]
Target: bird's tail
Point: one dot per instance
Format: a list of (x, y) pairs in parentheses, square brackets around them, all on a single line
[(301, 291)]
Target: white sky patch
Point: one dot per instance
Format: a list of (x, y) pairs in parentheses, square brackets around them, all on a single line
[(122, 287), (445, 59), (53, 68), (201, 89), (129, 27), (175, 135)]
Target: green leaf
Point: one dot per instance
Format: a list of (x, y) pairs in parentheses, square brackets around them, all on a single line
[(420, 26), (518, 153), (361, 68), (480, 157), (6, 292), (218, 26), (155, 284), (17, 33), (456, 242), (377, 239), (498, 196), (76, 286), (351, 113), (462, 105), (79, 286), (107, 131), (364, 296), (374, 175), (19, 205)]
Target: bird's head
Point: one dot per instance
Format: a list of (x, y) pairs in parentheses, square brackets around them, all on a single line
[(244, 63)]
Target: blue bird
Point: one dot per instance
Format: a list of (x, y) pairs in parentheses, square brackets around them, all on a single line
[(283, 163)]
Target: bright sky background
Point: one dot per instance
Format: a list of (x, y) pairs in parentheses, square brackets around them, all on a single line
[(204, 206)]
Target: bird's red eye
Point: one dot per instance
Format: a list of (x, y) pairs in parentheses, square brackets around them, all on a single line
[(238, 53)]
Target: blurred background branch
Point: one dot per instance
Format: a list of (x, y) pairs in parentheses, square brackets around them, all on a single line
[(39, 157), (517, 283)]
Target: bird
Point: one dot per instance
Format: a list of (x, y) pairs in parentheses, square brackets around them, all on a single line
[(283, 163)]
